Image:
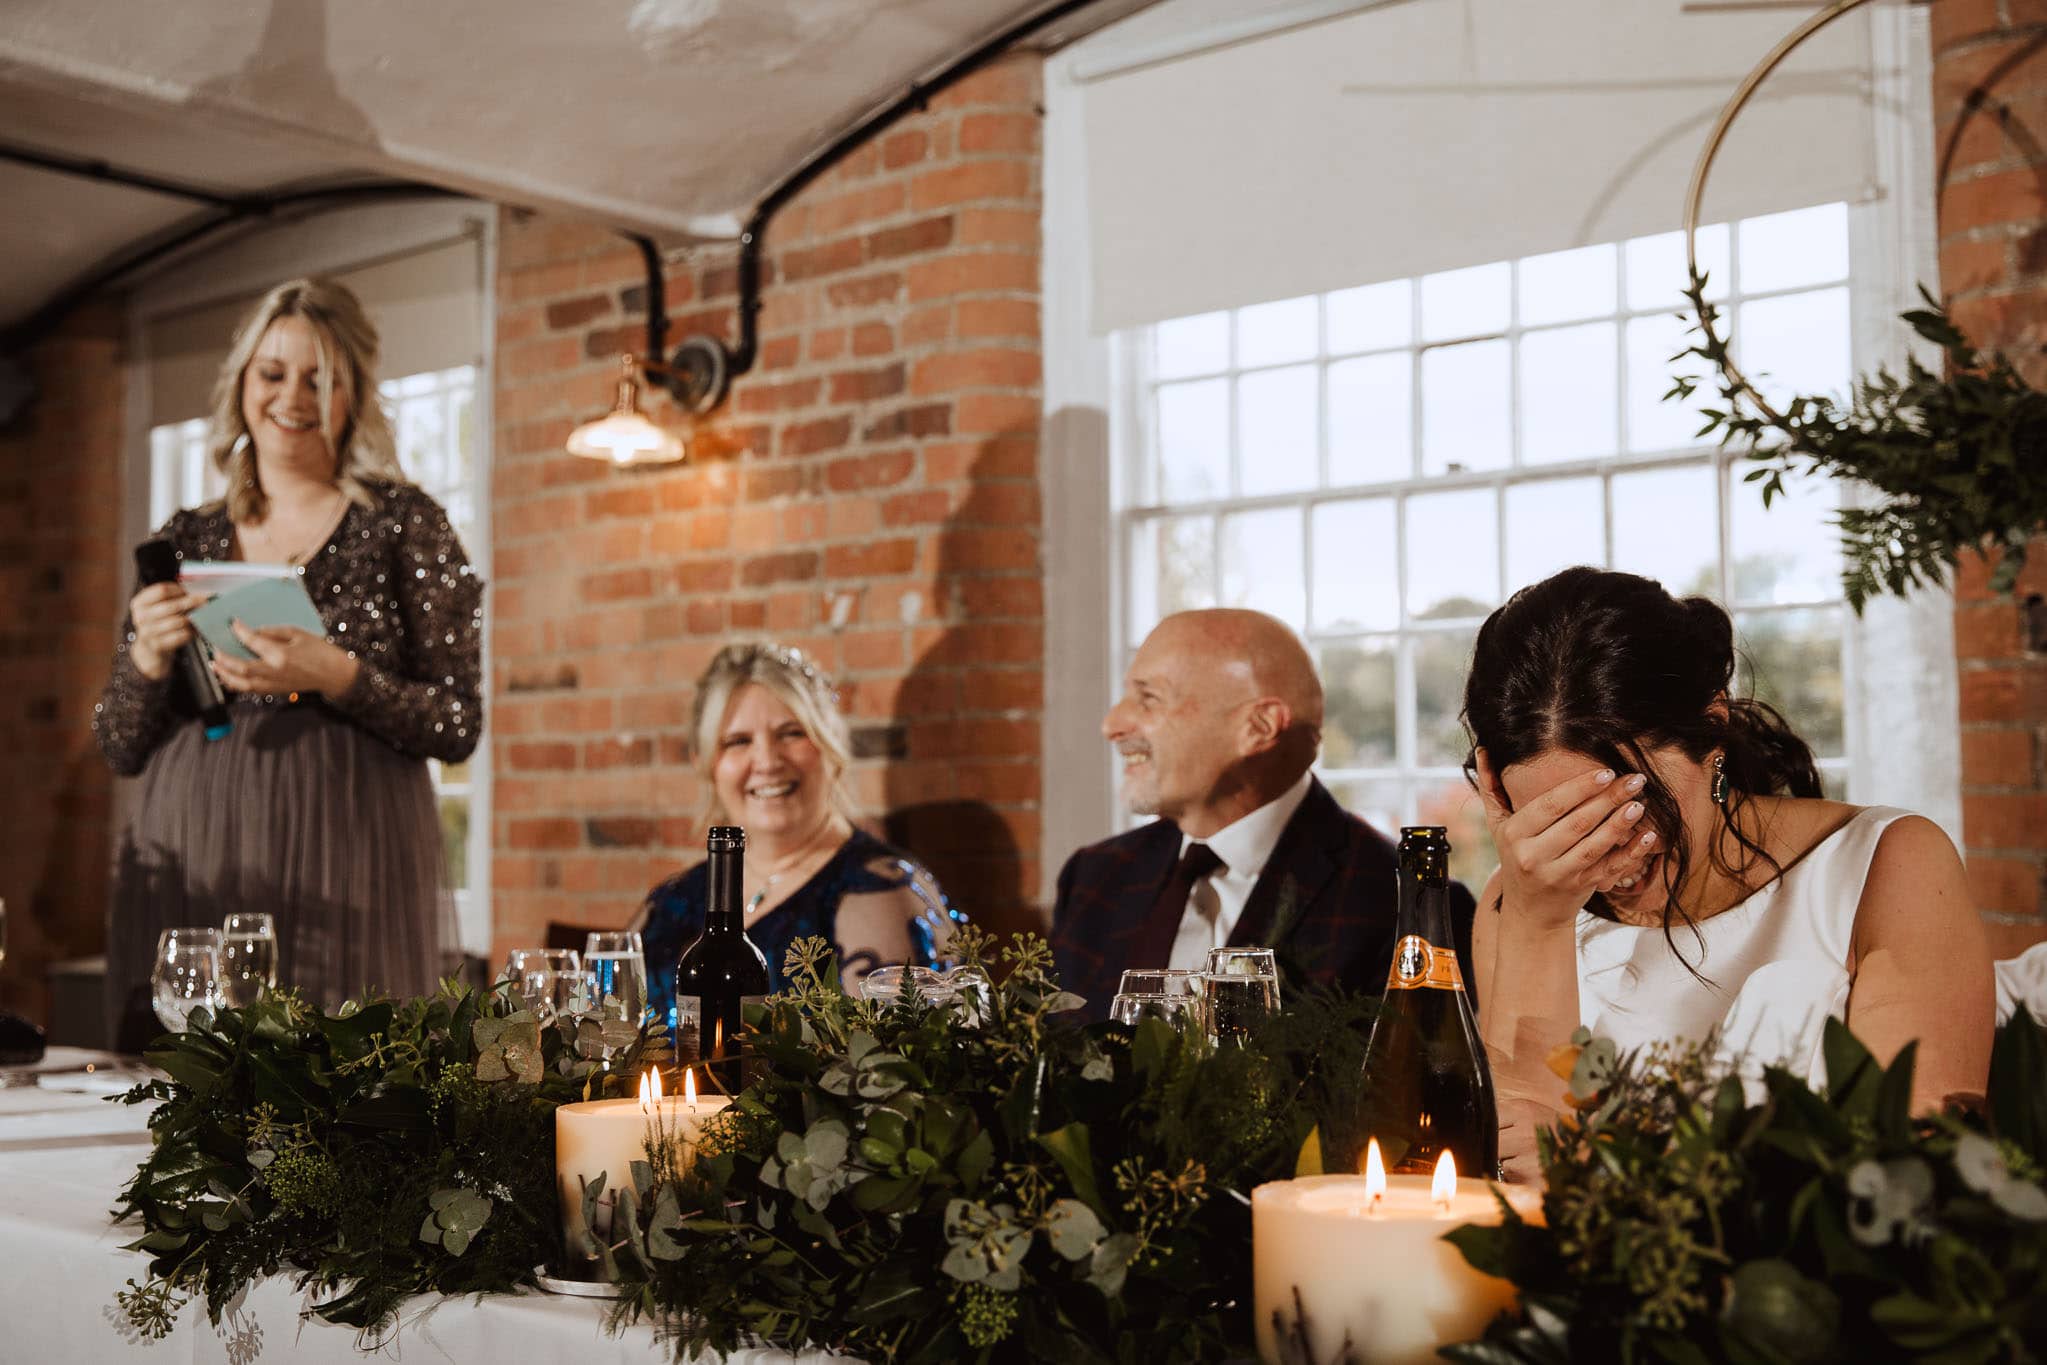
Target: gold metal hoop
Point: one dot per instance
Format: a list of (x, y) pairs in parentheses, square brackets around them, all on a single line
[(1697, 192)]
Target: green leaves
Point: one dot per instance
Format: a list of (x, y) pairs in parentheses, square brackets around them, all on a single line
[(1067, 1190), (356, 1147), (1957, 456), (1781, 1314), (987, 1244), (1072, 1229), (454, 1218), (1683, 1222), (812, 1167), (1070, 1147), (2018, 1102), (508, 1048)]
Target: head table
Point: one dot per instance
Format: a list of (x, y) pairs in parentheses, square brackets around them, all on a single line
[(65, 1153)]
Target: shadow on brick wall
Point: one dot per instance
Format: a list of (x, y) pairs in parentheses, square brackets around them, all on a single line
[(967, 842)]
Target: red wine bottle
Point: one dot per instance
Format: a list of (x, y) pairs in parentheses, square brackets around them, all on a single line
[(720, 974)]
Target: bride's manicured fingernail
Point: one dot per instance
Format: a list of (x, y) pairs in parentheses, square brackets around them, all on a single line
[(1605, 776)]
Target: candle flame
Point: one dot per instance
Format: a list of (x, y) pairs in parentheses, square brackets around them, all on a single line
[(1443, 1188), (650, 1091), (689, 1088), (1375, 1171)]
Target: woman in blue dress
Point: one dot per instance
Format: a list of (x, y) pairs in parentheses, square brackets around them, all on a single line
[(769, 739)]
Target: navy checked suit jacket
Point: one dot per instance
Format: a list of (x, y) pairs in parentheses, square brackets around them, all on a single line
[(1326, 903)]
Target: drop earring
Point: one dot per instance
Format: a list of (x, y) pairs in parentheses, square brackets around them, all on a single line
[(1720, 780)]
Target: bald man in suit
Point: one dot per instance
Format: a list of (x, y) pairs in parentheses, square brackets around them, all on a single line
[(1219, 723)]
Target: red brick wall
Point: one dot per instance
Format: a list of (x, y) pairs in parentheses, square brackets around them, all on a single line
[(1990, 112), (60, 552), (868, 493)]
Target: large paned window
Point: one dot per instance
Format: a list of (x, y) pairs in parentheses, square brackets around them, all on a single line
[(1381, 466)]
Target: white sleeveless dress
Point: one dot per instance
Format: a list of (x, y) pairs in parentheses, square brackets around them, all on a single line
[(1775, 966)]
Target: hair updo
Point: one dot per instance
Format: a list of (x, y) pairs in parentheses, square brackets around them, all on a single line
[(1611, 666)]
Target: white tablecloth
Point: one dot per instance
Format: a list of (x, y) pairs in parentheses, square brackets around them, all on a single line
[(65, 1154)]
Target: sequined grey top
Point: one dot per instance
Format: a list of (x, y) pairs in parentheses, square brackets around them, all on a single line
[(395, 590)]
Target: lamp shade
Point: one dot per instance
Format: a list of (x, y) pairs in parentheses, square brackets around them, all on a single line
[(624, 435), (625, 438)]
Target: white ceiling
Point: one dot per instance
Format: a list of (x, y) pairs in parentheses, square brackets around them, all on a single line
[(671, 117)]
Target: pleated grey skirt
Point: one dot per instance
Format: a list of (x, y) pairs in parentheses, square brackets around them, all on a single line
[(303, 815)]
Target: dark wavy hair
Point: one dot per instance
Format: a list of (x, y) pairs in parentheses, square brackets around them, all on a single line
[(1611, 666)]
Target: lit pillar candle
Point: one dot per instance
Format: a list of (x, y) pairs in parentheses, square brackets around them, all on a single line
[(1359, 1262), (605, 1137)]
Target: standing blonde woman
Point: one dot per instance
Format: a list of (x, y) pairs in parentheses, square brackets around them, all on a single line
[(768, 737), (317, 808)]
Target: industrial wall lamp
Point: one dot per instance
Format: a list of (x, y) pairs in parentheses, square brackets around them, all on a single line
[(700, 372)]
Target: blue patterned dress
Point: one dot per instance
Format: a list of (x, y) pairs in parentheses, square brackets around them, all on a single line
[(863, 866)]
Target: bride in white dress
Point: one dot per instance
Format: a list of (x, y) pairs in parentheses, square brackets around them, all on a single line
[(1670, 869)]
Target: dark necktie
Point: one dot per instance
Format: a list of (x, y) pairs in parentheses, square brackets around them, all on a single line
[(1154, 947)]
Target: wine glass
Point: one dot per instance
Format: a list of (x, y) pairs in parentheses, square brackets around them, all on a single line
[(619, 964), (536, 978), (1241, 986), (248, 957), (187, 975)]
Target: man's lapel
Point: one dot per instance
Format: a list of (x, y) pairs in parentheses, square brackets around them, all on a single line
[(1302, 862), (1133, 934)]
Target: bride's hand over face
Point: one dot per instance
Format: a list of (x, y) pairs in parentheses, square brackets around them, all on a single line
[(1578, 837)]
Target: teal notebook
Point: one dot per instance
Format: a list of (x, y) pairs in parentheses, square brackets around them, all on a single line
[(257, 595)]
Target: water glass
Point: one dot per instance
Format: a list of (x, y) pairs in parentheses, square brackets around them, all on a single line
[(619, 964), (537, 979), (1241, 986), (248, 958), (887, 984), (1180, 1009), (187, 975), (967, 986), (1163, 981)]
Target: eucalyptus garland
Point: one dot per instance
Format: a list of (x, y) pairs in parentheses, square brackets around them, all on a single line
[(1686, 1224), (975, 1181), (388, 1150), (1960, 459)]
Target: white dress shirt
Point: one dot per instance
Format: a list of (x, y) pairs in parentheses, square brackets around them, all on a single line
[(1217, 901)]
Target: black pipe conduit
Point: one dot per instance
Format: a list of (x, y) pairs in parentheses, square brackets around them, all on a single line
[(226, 210), (703, 367)]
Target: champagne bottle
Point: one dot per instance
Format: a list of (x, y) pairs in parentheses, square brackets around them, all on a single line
[(720, 974), (1426, 1083)]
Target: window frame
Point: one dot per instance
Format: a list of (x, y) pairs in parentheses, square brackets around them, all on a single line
[(1137, 501)]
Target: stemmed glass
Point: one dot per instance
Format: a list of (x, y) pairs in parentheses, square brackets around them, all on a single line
[(619, 964), (187, 975), (538, 978), (1241, 986), (248, 957)]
